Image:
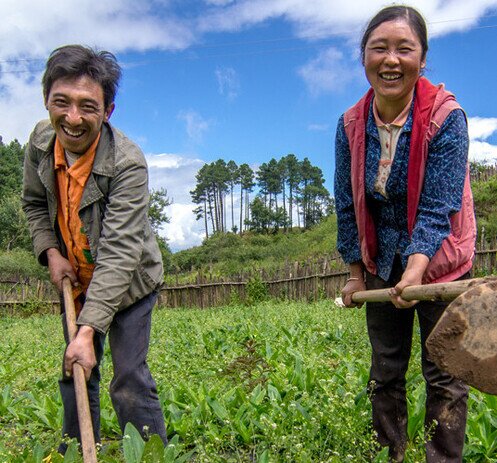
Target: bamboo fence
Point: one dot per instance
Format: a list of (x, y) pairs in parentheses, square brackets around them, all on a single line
[(300, 282), (306, 281)]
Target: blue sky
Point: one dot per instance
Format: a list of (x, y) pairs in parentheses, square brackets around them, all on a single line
[(246, 80)]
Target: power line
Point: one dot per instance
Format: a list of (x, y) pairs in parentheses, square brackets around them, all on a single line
[(317, 44)]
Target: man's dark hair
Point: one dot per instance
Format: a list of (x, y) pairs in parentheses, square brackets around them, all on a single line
[(391, 13), (72, 61)]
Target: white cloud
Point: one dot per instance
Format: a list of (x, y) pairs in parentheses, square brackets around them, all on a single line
[(219, 2), (318, 127), (311, 19), (483, 152), (176, 173), (32, 28), (328, 72), (183, 231), (196, 125), (21, 104), (325, 18), (480, 129), (228, 82)]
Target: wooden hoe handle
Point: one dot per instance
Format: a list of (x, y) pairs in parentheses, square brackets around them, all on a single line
[(83, 406), (429, 292)]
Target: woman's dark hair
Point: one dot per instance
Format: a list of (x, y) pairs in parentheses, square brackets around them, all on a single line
[(72, 61), (391, 13)]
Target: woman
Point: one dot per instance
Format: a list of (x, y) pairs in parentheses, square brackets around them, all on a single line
[(405, 217)]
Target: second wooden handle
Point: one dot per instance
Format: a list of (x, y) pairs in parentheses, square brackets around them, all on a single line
[(429, 292)]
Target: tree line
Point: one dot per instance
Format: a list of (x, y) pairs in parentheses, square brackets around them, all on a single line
[(14, 231), (229, 197), (289, 193)]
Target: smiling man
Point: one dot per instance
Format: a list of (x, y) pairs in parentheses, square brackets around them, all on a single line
[(85, 195)]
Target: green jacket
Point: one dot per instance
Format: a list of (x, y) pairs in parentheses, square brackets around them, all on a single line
[(113, 212)]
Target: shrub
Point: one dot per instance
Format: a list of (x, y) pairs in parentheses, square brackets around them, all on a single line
[(20, 263), (256, 290)]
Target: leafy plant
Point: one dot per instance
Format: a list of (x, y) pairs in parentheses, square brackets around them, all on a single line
[(272, 382), (256, 291)]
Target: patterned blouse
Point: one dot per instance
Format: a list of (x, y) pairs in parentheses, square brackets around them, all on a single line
[(440, 198)]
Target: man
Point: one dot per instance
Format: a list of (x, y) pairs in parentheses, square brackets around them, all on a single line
[(85, 195)]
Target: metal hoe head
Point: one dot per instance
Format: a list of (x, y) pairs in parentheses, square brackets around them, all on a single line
[(464, 341)]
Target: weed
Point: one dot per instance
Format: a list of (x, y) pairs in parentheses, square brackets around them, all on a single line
[(256, 291), (273, 382)]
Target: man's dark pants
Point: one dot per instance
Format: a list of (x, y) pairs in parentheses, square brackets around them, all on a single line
[(390, 333), (132, 390)]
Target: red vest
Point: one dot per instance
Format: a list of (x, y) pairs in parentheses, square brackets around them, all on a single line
[(432, 105)]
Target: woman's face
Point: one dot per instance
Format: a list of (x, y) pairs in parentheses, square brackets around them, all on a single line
[(393, 62)]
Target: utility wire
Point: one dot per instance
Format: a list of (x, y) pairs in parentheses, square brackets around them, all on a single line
[(193, 48)]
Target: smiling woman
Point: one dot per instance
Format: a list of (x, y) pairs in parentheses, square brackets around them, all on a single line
[(405, 217), (393, 60)]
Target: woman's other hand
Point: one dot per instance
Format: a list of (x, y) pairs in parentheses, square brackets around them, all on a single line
[(413, 275), (354, 283)]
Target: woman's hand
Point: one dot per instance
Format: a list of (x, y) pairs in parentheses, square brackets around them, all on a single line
[(413, 275), (354, 283), (350, 288)]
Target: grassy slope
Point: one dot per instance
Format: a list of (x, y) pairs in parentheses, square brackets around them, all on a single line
[(231, 254), (276, 382), (485, 194)]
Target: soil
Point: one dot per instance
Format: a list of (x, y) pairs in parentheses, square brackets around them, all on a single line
[(464, 341)]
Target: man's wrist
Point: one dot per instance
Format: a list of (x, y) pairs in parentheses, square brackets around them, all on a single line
[(86, 332), (52, 252)]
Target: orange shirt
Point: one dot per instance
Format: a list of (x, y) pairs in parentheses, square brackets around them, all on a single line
[(70, 186)]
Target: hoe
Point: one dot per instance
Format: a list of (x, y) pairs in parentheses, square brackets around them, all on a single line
[(82, 404), (464, 341)]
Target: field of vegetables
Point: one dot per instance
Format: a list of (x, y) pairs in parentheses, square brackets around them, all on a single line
[(277, 382)]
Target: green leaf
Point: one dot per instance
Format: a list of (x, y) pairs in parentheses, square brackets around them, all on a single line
[(218, 409), (264, 458), (38, 453), (273, 393), (153, 452), (171, 450), (72, 454), (257, 395), (302, 410), (132, 444), (243, 431)]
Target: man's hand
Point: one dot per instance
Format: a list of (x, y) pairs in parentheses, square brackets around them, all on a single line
[(413, 275), (81, 351), (59, 267)]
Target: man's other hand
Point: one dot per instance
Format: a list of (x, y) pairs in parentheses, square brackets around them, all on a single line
[(81, 351)]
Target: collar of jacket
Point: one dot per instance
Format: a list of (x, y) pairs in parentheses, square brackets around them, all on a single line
[(105, 156), (372, 129)]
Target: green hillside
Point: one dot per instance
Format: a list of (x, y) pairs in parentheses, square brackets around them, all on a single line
[(223, 253), (230, 254)]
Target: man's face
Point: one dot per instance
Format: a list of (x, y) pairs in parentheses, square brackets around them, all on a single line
[(77, 111)]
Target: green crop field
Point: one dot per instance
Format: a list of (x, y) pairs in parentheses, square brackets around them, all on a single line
[(278, 382)]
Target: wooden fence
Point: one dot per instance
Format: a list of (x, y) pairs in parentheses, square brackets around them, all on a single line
[(298, 281), (218, 293), (31, 294), (483, 173)]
